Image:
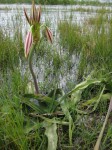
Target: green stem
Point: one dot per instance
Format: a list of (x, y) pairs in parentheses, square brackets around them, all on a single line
[(31, 68)]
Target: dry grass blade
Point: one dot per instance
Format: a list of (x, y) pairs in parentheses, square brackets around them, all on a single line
[(97, 145), (33, 11), (27, 18)]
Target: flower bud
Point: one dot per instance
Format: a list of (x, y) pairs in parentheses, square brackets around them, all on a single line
[(28, 43)]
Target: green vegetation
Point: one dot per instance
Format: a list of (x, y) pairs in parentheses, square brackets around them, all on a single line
[(39, 1), (90, 10), (65, 115), (57, 2), (92, 42), (11, 50)]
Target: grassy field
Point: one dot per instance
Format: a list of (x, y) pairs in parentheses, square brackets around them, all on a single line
[(65, 116)]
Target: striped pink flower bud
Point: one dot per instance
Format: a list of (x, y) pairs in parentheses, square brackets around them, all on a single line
[(49, 34), (28, 43)]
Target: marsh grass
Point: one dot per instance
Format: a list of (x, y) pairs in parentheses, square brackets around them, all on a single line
[(83, 109), (97, 55), (92, 42), (15, 126), (59, 2), (11, 45), (38, 1), (92, 10), (11, 114), (8, 54)]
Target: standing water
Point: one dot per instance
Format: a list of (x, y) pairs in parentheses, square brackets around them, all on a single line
[(12, 18)]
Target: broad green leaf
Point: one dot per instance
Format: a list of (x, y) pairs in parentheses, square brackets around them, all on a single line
[(85, 84), (45, 103), (39, 97), (75, 98), (65, 110), (79, 88), (93, 100), (53, 121), (52, 136), (32, 105)]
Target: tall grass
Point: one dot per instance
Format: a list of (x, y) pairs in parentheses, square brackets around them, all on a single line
[(97, 52), (8, 52), (14, 125), (92, 41)]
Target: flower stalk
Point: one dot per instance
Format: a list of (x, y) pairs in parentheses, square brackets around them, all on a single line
[(33, 37), (31, 68)]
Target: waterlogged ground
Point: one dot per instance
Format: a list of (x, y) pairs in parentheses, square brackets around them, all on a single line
[(54, 14), (11, 15), (12, 18)]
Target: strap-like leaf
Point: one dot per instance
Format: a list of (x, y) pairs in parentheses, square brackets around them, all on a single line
[(52, 136)]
